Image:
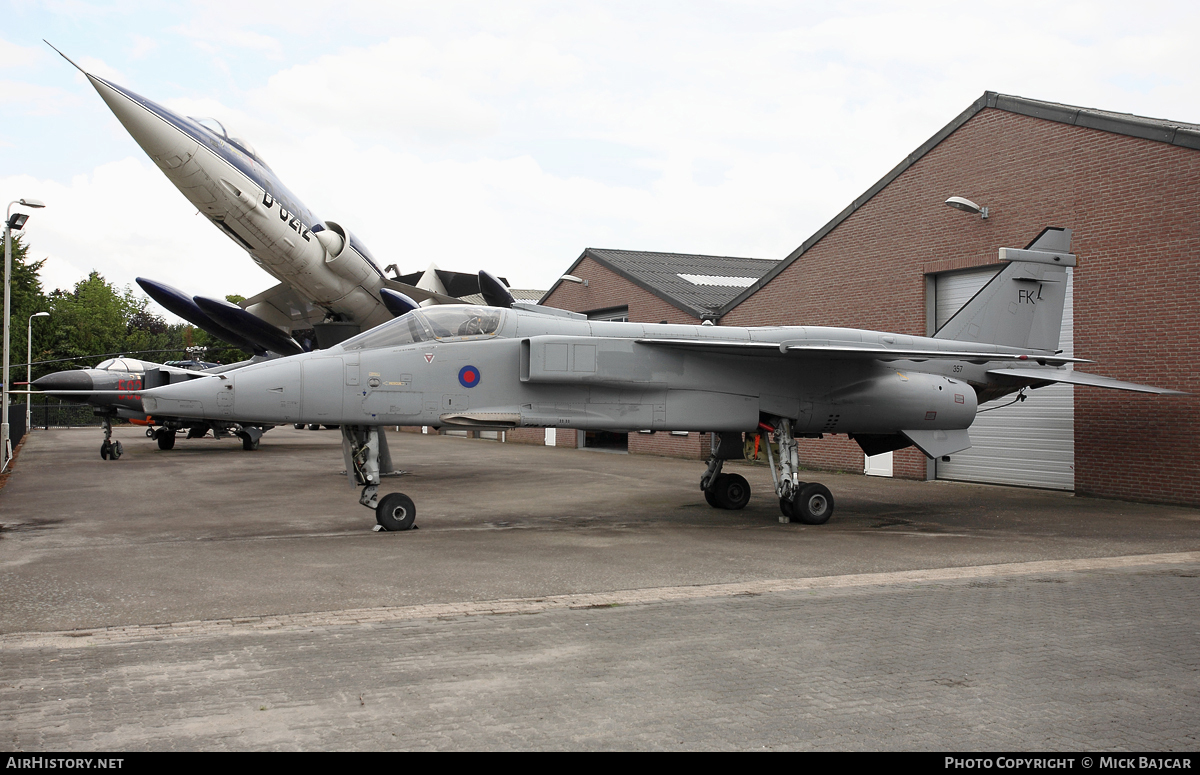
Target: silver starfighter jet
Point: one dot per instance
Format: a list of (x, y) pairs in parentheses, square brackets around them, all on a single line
[(515, 365), (329, 281)]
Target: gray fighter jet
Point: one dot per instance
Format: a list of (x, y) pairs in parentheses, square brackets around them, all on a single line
[(514, 365)]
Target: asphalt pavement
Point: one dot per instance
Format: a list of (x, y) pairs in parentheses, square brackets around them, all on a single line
[(212, 598)]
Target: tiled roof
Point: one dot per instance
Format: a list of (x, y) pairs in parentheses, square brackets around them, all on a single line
[(700, 285)]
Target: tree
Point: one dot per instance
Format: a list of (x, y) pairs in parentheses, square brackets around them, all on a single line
[(27, 298), (94, 320)]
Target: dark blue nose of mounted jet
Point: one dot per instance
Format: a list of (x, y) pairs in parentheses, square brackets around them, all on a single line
[(80, 381)]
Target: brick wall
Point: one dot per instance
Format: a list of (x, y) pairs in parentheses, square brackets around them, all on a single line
[(607, 289), (1133, 206), (693, 445)]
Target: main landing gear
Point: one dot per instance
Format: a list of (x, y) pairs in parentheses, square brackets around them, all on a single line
[(806, 502), (365, 450), (109, 449), (165, 438), (725, 491)]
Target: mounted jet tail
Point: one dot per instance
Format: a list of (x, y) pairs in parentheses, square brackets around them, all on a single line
[(1022, 306)]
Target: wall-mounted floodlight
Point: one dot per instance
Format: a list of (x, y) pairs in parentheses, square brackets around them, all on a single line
[(966, 205), (573, 279)]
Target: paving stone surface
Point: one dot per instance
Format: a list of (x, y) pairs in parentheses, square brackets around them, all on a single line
[(610, 610), (1069, 661)]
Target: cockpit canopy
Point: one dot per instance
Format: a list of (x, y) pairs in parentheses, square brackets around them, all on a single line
[(450, 321), (123, 364), (218, 129)]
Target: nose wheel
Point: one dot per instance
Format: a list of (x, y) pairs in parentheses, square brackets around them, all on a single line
[(109, 449), (396, 512), (361, 447)]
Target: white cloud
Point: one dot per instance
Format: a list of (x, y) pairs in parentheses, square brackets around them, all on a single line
[(125, 219), (719, 128)]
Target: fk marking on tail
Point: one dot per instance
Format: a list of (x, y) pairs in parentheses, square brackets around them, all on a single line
[(1022, 306)]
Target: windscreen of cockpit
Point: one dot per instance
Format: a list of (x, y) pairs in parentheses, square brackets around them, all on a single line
[(218, 129), (454, 320), (122, 364), (440, 322)]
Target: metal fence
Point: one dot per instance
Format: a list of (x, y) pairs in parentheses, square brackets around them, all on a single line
[(57, 414)]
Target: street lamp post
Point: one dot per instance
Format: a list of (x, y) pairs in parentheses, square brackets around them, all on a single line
[(10, 222), (28, 367)]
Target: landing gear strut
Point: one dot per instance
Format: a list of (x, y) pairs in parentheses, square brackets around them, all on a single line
[(109, 449), (364, 449), (806, 502)]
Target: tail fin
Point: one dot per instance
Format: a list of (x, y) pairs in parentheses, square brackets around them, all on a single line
[(1022, 306)]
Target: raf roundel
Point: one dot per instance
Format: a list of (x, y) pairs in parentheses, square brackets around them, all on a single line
[(468, 376)]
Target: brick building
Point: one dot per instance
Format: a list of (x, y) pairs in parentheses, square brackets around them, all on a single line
[(648, 287), (1126, 187), (897, 259)]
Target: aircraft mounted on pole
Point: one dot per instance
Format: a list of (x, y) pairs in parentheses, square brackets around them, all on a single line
[(330, 285), (510, 365)]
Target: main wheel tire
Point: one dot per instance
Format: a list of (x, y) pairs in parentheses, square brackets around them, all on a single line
[(712, 499), (314, 427), (117, 450), (813, 504), (249, 444), (732, 491), (396, 512), (785, 508), (166, 440), (105, 449), (299, 426)]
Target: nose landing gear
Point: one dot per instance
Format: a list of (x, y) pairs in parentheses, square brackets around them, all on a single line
[(109, 449), (365, 450)]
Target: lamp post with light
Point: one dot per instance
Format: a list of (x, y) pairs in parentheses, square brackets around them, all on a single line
[(11, 222), (29, 365)]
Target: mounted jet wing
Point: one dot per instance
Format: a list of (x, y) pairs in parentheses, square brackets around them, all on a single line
[(453, 283), (420, 294)]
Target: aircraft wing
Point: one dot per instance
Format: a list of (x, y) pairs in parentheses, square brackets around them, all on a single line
[(818, 348), (420, 294), (288, 303), (1081, 378)]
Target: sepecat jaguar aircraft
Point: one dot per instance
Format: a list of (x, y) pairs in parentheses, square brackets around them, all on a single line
[(509, 365)]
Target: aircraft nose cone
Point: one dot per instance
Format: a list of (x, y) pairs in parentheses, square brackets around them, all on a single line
[(65, 380), (144, 120)]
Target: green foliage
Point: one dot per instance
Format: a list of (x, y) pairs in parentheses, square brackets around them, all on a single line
[(96, 319)]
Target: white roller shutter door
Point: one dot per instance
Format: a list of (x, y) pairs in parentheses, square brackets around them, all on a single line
[(1031, 443)]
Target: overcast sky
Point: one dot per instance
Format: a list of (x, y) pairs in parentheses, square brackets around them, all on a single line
[(510, 136)]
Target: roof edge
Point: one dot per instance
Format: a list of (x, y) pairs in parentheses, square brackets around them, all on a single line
[(987, 100), (591, 253), (1158, 130)]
